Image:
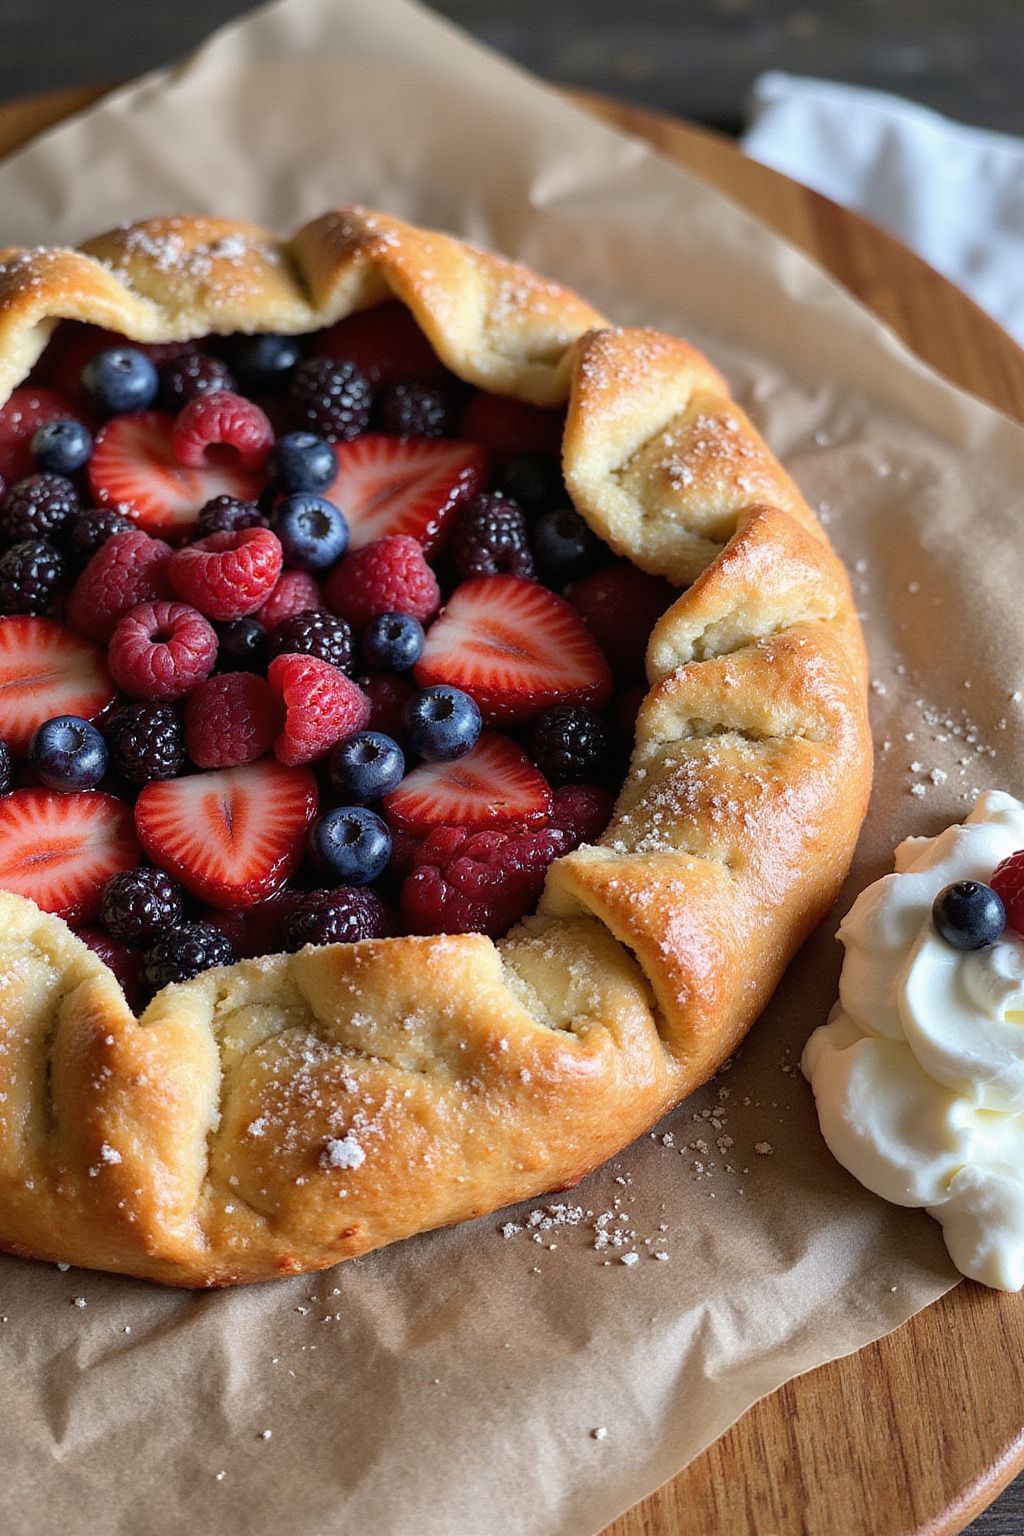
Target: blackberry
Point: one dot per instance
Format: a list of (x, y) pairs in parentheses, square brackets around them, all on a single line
[(93, 528), (314, 633), (341, 916), (146, 741), (39, 507), (534, 480), (137, 905), (192, 374), (332, 398), (6, 768), (414, 410), (242, 646), (30, 574), (185, 951), (490, 537), (226, 514), (564, 547), (570, 744)]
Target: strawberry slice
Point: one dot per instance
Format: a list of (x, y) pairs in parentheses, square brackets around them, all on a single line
[(47, 670), (515, 647), (60, 850), (508, 427), (134, 469), (385, 343), (26, 409), (232, 838), (494, 783), (403, 485)]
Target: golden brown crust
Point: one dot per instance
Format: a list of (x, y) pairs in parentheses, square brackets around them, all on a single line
[(285, 1113)]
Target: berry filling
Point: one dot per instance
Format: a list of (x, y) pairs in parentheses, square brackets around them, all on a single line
[(301, 642)]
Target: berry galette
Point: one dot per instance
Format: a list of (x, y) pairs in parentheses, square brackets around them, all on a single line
[(431, 710)]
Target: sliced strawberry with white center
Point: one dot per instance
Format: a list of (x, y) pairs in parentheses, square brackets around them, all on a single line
[(403, 485), (231, 838), (60, 850), (47, 670), (134, 469), (494, 783), (515, 647), (26, 408)]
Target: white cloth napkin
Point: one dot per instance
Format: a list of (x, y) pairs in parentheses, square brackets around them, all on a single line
[(953, 193)]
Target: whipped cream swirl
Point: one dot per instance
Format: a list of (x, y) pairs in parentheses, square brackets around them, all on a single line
[(919, 1074)]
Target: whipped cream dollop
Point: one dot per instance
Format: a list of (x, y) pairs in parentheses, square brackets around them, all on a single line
[(918, 1075)]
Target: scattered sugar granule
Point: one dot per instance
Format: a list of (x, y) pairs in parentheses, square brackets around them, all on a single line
[(600, 1433), (763, 1148), (265, 1434), (659, 1255), (342, 1152), (63, 1268), (219, 1476), (79, 1301), (918, 789), (257, 1127), (630, 1258)]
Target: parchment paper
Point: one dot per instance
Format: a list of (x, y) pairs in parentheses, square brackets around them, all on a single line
[(469, 1383)]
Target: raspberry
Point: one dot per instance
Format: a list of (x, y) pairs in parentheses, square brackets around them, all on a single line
[(137, 904), (314, 633), (192, 374), (129, 569), (620, 606), (490, 538), (226, 514), (30, 576), (161, 651), (570, 743), (321, 706), (341, 916), (39, 507), (581, 811), (227, 575), (387, 576), (220, 421), (230, 719), (184, 952), (125, 963), (414, 409), (92, 529), (1008, 884), (477, 882), (146, 741), (296, 592), (388, 697), (331, 398)]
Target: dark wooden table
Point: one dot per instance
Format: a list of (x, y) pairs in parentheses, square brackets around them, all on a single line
[(695, 58)]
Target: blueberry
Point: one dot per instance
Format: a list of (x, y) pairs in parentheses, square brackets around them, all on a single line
[(564, 547), (534, 480), (242, 646), (301, 461), (350, 845), (120, 380), (968, 915), (366, 767), (61, 447), (393, 642), (442, 723), (313, 533), (68, 753), (263, 362)]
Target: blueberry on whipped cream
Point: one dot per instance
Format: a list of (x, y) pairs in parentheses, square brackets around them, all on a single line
[(918, 1075)]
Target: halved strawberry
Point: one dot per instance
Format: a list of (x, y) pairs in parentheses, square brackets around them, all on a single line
[(515, 647), (47, 670), (134, 469), (27, 408), (232, 838), (385, 343), (403, 485), (493, 784), (60, 850)]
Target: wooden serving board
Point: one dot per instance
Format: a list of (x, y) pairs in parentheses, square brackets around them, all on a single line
[(915, 1435)]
